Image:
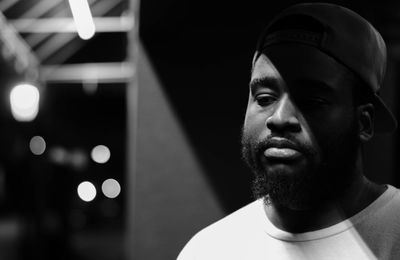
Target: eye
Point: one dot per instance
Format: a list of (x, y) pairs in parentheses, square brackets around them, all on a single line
[(313, 103), (265, 99)]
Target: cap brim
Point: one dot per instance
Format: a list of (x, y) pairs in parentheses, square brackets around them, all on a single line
[(385, 122)]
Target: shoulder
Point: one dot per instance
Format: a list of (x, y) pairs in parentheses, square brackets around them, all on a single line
[(380, 219), (227, 232), (381, 230), (391, 203), (389, 214), (384, 208)]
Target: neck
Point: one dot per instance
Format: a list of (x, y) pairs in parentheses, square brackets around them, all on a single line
[(355, 197)]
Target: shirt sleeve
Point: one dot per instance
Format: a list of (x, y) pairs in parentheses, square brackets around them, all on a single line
[(188, 252)]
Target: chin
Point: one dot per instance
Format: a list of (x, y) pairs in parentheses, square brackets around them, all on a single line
[(288, 186), (283, 169)]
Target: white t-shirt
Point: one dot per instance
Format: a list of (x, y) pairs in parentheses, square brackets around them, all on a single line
[(373, 233)]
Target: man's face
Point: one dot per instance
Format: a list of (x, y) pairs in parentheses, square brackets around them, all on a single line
[(300, 134)]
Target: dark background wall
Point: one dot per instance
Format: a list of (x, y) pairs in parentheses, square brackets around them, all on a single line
[(193, 74), (173, 125)]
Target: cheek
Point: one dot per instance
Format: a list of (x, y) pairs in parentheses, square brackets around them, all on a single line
[(331, 122), (255, 123), (330, 129)]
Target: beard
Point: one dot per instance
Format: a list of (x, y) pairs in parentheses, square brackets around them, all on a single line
[(324, 176)]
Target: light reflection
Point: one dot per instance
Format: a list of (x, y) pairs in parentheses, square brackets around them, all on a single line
[(83, 18), (24, 100), (78, 159), (58, 155), (37, 145), (87, 191), (100, 154), (111, 188)]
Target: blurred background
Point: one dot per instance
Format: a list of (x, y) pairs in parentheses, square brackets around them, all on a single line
[(120, 121)]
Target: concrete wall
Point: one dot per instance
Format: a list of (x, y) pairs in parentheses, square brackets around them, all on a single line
[(169, 198)]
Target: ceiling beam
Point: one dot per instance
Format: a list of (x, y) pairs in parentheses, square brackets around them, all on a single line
[(52, 45), (6, 4), (34, 39), (67, 51), (15, 49), (66, 25), (52, 48), (40, 8), (108, 72)]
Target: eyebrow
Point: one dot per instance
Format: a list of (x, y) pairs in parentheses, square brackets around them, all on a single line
[(264, 82), (314, 85), (308, 85)]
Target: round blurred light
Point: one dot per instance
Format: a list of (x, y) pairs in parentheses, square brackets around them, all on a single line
[(58, 155), (37, 145), (90, 86), (78, 159), (100, 154), (86, 191), (111, 188), (24, 99)]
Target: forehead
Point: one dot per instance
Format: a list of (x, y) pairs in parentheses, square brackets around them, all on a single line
[(293, 63)]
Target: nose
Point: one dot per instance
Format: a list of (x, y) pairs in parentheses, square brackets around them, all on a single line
[(284, 117)]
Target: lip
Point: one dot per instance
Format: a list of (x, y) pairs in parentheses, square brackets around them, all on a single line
[(281, 153), (281, 149)]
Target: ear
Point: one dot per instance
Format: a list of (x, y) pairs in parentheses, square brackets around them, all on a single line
[(366, 114)]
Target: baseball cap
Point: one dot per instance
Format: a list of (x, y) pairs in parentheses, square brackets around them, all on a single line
[(343, 35)]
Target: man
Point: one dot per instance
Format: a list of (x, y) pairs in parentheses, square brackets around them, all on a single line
[(313, 103)]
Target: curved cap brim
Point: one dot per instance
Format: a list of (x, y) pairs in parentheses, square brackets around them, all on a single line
[(385, 122)]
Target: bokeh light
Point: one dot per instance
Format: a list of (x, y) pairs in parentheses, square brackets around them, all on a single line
[(24, 100), (101, 154), (37, 145), (58, 155), (87, 191), (78, 159), (111, 188), (83, 18)]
